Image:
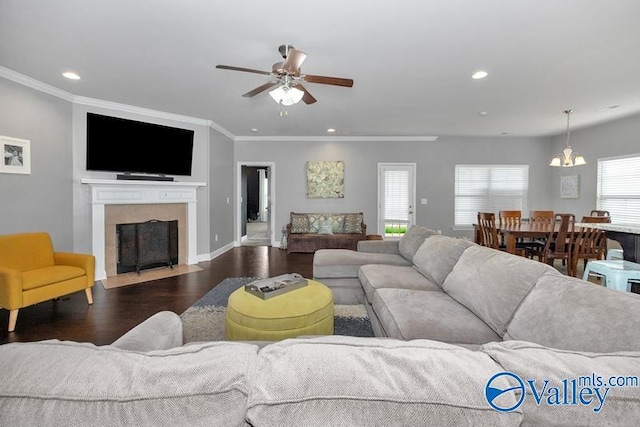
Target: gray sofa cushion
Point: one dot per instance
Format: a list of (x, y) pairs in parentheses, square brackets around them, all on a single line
[(437, 255), (376, 276), (412, 240), (492, 284), (568, 313), (348, 381), (529, 361), (345, 263), (65, 383), (409, 314)]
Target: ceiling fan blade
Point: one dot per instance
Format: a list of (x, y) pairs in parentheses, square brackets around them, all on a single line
[(307, 97), (246, 70), (294, 60), (259, 89), (336, 81)]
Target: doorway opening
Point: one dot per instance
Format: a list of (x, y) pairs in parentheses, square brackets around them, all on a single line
[(255, 204), (396, 198)]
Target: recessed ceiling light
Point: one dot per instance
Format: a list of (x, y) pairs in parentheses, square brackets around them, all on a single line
[(71, 75), (331, 130), (480, 74), (483, 113), (254, 130)]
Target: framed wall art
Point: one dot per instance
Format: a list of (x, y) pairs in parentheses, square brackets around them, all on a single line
[(569, 186), (325, 179), (16, 155)]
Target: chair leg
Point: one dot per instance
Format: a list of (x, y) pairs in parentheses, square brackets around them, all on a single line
[(13, 318), (89, 295)]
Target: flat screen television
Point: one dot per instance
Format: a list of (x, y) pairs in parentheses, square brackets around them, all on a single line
[(130, 146)]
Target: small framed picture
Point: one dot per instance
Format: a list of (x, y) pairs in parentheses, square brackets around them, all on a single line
[(16, 155), (569, 186)]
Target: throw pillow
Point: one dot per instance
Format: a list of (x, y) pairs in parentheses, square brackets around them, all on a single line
[(353, 223), (299, 223), (325, 227), (314, 222), (337, 222)]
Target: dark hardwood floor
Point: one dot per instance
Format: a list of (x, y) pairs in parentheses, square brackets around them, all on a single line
[(117, 310)]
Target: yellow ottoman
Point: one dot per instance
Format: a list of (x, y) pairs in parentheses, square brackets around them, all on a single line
[(304, 311)]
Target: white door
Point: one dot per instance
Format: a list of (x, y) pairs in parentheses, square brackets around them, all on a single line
[(396, 198)]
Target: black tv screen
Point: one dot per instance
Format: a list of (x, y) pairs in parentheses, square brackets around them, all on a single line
[(121, 145)]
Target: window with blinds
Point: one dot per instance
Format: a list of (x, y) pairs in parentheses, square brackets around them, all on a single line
[(488, 188), (396, 196), (619, 188)]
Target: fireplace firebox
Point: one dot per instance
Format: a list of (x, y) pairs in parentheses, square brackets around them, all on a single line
[(145, 245)]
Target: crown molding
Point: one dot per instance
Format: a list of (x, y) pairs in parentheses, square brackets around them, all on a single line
[(325, 138), (35, 84)]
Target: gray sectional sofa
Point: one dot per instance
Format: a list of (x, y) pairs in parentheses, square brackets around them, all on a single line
[(503, 341), (428, 286)]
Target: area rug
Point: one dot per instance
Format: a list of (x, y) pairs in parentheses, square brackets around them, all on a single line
[(204, 320)]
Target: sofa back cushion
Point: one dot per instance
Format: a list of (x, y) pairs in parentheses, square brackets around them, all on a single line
[(572, 395), (437, 255), (492, 284), (58, 383), (26, 251), (568, 313), (352, 381), (411, 241)]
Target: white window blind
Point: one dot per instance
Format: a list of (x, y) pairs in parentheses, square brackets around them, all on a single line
[(396, 195), (619, 188), (488, 188)]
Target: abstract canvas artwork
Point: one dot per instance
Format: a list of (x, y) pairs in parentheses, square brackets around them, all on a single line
[(325, 179)]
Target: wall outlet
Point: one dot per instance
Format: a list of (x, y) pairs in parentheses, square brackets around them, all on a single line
[(227, 200), (216, 238), (423, 201)]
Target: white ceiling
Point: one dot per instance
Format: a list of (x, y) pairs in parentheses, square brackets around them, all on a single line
[(411, 61)]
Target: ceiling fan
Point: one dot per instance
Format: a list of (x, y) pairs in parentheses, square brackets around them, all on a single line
[(288, 78)]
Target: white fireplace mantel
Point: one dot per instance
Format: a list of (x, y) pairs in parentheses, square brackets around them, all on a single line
[(123, 192)]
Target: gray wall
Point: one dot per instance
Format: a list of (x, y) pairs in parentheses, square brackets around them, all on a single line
[(43, 200), (82, 193), (221, 189), (434, 176), (612, 139)]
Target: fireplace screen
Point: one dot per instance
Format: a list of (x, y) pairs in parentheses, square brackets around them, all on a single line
[(146, 245)]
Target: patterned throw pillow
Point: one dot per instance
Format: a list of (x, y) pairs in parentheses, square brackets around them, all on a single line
[(325, 227), (337, 222), (314, 222), (353, 223), (299, 223)]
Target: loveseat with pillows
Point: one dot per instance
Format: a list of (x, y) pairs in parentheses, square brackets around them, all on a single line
[(308, 232)]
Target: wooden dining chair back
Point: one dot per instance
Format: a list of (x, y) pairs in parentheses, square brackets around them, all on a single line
[(596, 219), (542, 217), (559, 241), (488, 231), (510, 217), (596, 212), (589, 244)]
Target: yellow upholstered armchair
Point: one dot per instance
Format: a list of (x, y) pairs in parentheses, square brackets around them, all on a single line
[(31, 272)]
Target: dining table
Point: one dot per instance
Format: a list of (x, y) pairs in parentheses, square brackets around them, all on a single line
[(525, 230)]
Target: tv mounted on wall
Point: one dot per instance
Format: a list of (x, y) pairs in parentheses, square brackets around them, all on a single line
[(129, 146)]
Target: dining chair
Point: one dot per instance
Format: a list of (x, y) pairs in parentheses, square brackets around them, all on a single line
[(589, 244), (596, 212), (488, 231), (509, 218), (542, 219), (558, 243)]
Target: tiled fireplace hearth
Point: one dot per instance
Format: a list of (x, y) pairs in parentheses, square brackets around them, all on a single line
[(114, 201)]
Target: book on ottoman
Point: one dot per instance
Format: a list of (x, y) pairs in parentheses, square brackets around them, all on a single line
[(274, 286)]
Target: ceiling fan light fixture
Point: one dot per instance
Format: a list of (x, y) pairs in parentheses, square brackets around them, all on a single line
[(286, 95)]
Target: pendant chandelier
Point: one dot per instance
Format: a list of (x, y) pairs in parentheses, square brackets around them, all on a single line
[(568, 158)]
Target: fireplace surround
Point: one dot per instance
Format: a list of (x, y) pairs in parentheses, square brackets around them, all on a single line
[(113, 192)]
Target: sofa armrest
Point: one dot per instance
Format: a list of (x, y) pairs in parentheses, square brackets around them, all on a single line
[(161, 331), (84, 261), (10, 288), (379, 246)]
